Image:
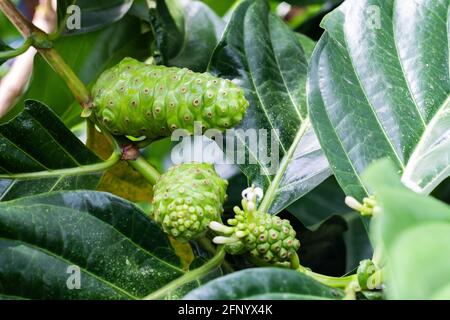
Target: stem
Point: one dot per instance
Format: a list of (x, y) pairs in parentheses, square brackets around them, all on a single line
[(24, 26), (145, 169), (206, 244), (40, 39), (115, 157), (16, 52), (76, 86), (335, 282), (189, 276)]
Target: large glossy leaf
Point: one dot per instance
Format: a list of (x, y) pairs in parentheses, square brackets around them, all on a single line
[(186, 33), (264, 283), (88, 55), (93, 14), (413, 231), (265, 57), (120, 253), (37, 141), (378, 87)]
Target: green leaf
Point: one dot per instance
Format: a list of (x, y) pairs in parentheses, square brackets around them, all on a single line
[(220, 7), (307, 44), (264, 283), (36, 141), (88, 55), (419, 267), (120, 252), (379, 86), (93, 14), (186, 33), (402, 208), (413, 231), (271, 67)]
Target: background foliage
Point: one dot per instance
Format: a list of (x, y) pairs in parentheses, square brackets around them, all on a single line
[(340, 93)]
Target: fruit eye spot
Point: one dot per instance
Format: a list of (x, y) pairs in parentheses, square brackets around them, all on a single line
[(157, 110), (196, 102), (199, 81), (172, 105), (146, 91), (111, 102), (161, 88), (183, 89), (173, 127), (148, 113), (133, 103), (215, 81), (187, 118)]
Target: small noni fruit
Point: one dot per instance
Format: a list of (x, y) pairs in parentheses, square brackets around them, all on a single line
[(136, 99), (187, 198), (265, 237)]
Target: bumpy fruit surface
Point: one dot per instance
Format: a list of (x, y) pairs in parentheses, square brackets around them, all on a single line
[(187, 198), (265, 237), (136, 99)]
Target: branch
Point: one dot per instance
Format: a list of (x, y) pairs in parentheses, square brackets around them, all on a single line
[(91, 168), (145, 169), (42, 42), (25, 27)]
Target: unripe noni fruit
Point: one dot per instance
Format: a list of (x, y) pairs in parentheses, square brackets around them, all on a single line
[(265, 237), (136, 99), (187, 198)]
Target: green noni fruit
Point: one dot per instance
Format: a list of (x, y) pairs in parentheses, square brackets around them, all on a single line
[(264, 236), (136, 99), (187, 198)]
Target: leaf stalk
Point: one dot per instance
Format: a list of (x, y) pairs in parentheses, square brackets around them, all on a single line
[(16, 52), (145, 169), (97, 167)]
